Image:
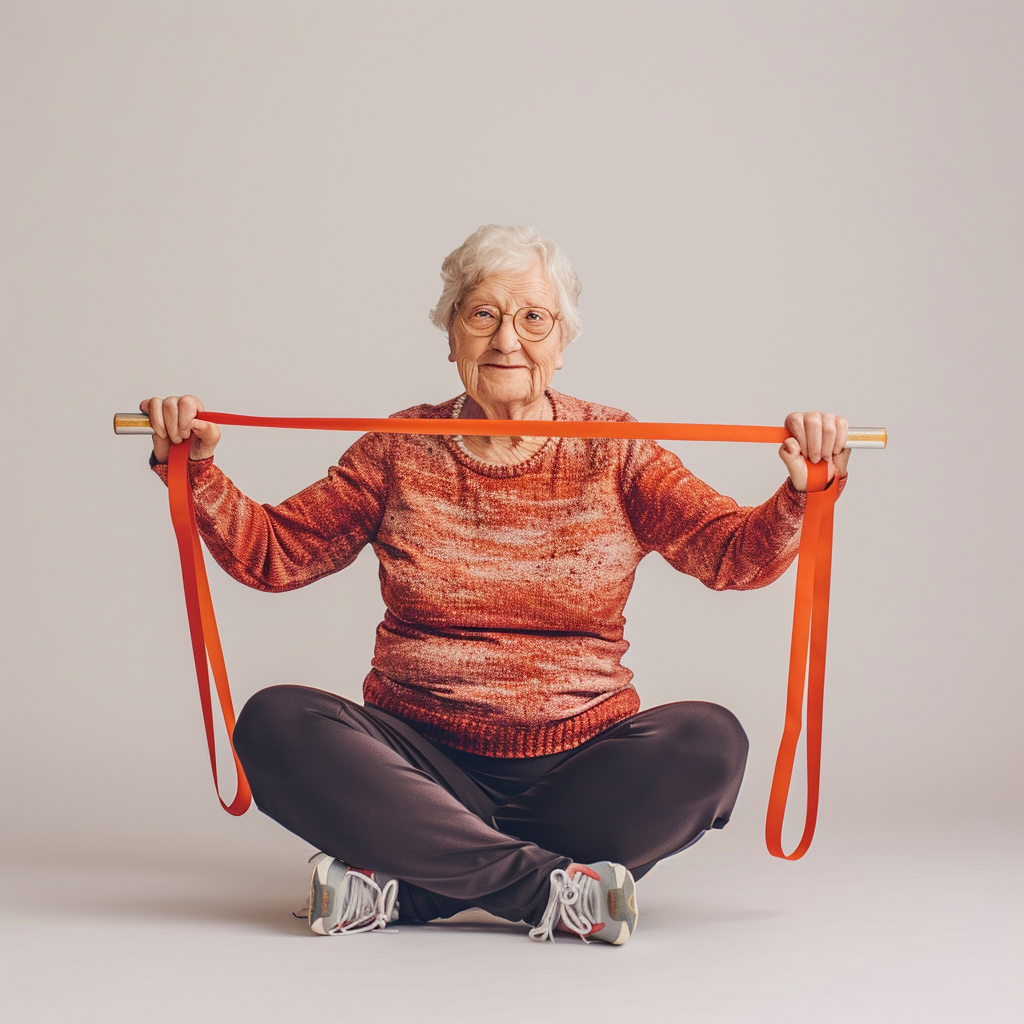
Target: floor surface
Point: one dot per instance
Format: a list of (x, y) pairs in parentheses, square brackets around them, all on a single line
[(856, 932)]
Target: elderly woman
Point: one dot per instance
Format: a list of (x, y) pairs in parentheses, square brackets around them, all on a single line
[(500, 759)]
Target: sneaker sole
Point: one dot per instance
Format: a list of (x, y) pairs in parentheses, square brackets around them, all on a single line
[(625, 890), (321, 898)]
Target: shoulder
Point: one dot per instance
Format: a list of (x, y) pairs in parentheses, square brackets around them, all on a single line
[(426, 411), (619, 456), (385, 448), (569, 408), (631, 457), (385, 442)]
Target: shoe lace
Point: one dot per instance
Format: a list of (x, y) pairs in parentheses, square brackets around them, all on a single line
[(573, 901), (365, 906)]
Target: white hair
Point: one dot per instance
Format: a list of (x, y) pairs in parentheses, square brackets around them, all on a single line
[(492, 249)]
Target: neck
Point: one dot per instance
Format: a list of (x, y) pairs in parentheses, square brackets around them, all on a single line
[(535, 409), (505, 451)]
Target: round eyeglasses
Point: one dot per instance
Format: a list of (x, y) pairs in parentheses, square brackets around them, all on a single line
[(531, 323)]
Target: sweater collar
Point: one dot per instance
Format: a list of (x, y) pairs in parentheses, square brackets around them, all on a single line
[(490, 469)]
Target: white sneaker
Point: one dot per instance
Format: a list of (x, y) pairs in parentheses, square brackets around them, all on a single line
[(343, 899), (596, 901)]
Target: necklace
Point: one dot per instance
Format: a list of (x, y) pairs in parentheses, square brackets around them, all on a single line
[(460, 441)]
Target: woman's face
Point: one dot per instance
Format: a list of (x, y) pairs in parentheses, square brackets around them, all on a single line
[(503, 369)]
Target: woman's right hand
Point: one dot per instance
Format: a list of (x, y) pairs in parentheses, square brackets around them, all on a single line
[(173, 420)]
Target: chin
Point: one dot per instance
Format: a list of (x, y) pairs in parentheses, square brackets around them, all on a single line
[(505, 391)]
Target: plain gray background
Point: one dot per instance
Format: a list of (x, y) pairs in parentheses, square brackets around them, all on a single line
[(772, 207)]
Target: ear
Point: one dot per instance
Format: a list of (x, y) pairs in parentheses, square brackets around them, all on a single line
[(451, 349), (561, 347)]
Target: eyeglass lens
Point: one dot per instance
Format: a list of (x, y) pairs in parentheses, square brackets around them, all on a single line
[(532, 323)]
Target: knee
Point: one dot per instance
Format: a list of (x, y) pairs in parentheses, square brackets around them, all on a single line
[(724, 727), (691, 720), (710, 733), (271, 719)]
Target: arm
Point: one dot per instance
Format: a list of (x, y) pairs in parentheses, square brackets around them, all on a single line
[(706, 534), (317, 532)]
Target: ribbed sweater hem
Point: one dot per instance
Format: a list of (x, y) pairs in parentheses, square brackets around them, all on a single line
[(505, 739)]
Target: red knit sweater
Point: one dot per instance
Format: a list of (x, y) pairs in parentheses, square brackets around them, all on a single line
[(504, 585)]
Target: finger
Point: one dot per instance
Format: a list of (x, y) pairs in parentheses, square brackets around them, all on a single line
[(812, 426), (170, 409), (188, 406), (828, 435), (207, 432), (156, 416), (842, 432), (790, 451), (209, 439), (841, 461), (795, 425), (790, 455)]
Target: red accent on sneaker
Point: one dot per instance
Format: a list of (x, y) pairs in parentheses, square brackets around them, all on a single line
[(583, 869), (565, 930)]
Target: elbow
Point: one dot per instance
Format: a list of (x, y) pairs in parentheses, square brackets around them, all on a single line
[(728, 578), (764, 576), (273, 581), (270, 577), (263, 583), (754, 583), (733, 583)]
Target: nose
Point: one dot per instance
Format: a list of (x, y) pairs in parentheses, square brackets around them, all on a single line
[(505, 338)]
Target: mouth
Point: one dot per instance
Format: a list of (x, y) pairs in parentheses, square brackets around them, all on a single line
[(498, 366)]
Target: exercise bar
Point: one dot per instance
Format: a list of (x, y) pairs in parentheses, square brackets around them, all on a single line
[(857, 437)]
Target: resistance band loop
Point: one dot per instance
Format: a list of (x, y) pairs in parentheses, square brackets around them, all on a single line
[(810, 616)]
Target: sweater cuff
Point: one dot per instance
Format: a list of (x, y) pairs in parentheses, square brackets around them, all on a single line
[(195, 467), (799, 497)]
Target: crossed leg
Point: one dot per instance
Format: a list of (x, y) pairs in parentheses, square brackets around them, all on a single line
[(643, 789), (366, 788)]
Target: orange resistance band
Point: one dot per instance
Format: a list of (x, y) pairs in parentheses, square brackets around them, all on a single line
[(810, 617)]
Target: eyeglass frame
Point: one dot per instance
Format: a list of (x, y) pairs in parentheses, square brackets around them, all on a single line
[(555, 317)]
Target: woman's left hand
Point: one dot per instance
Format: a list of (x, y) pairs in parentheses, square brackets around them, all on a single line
[(816, 436)]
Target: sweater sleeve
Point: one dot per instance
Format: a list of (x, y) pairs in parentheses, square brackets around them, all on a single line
[(310, 535), (706, 534)]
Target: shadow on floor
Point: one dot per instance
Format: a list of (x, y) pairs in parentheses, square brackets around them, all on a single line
[(267, 902)]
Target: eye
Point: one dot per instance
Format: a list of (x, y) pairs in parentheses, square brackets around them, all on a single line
[(536, 321)]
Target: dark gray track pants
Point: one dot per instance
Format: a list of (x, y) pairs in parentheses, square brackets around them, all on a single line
[(460, 830)]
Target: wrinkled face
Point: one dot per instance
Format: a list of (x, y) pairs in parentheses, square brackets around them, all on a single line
[(504, 369)]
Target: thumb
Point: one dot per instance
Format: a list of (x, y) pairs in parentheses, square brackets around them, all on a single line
[(205, 436), (790, 455)]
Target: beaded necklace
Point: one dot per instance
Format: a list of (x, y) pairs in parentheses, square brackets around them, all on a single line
[(457, 438)]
